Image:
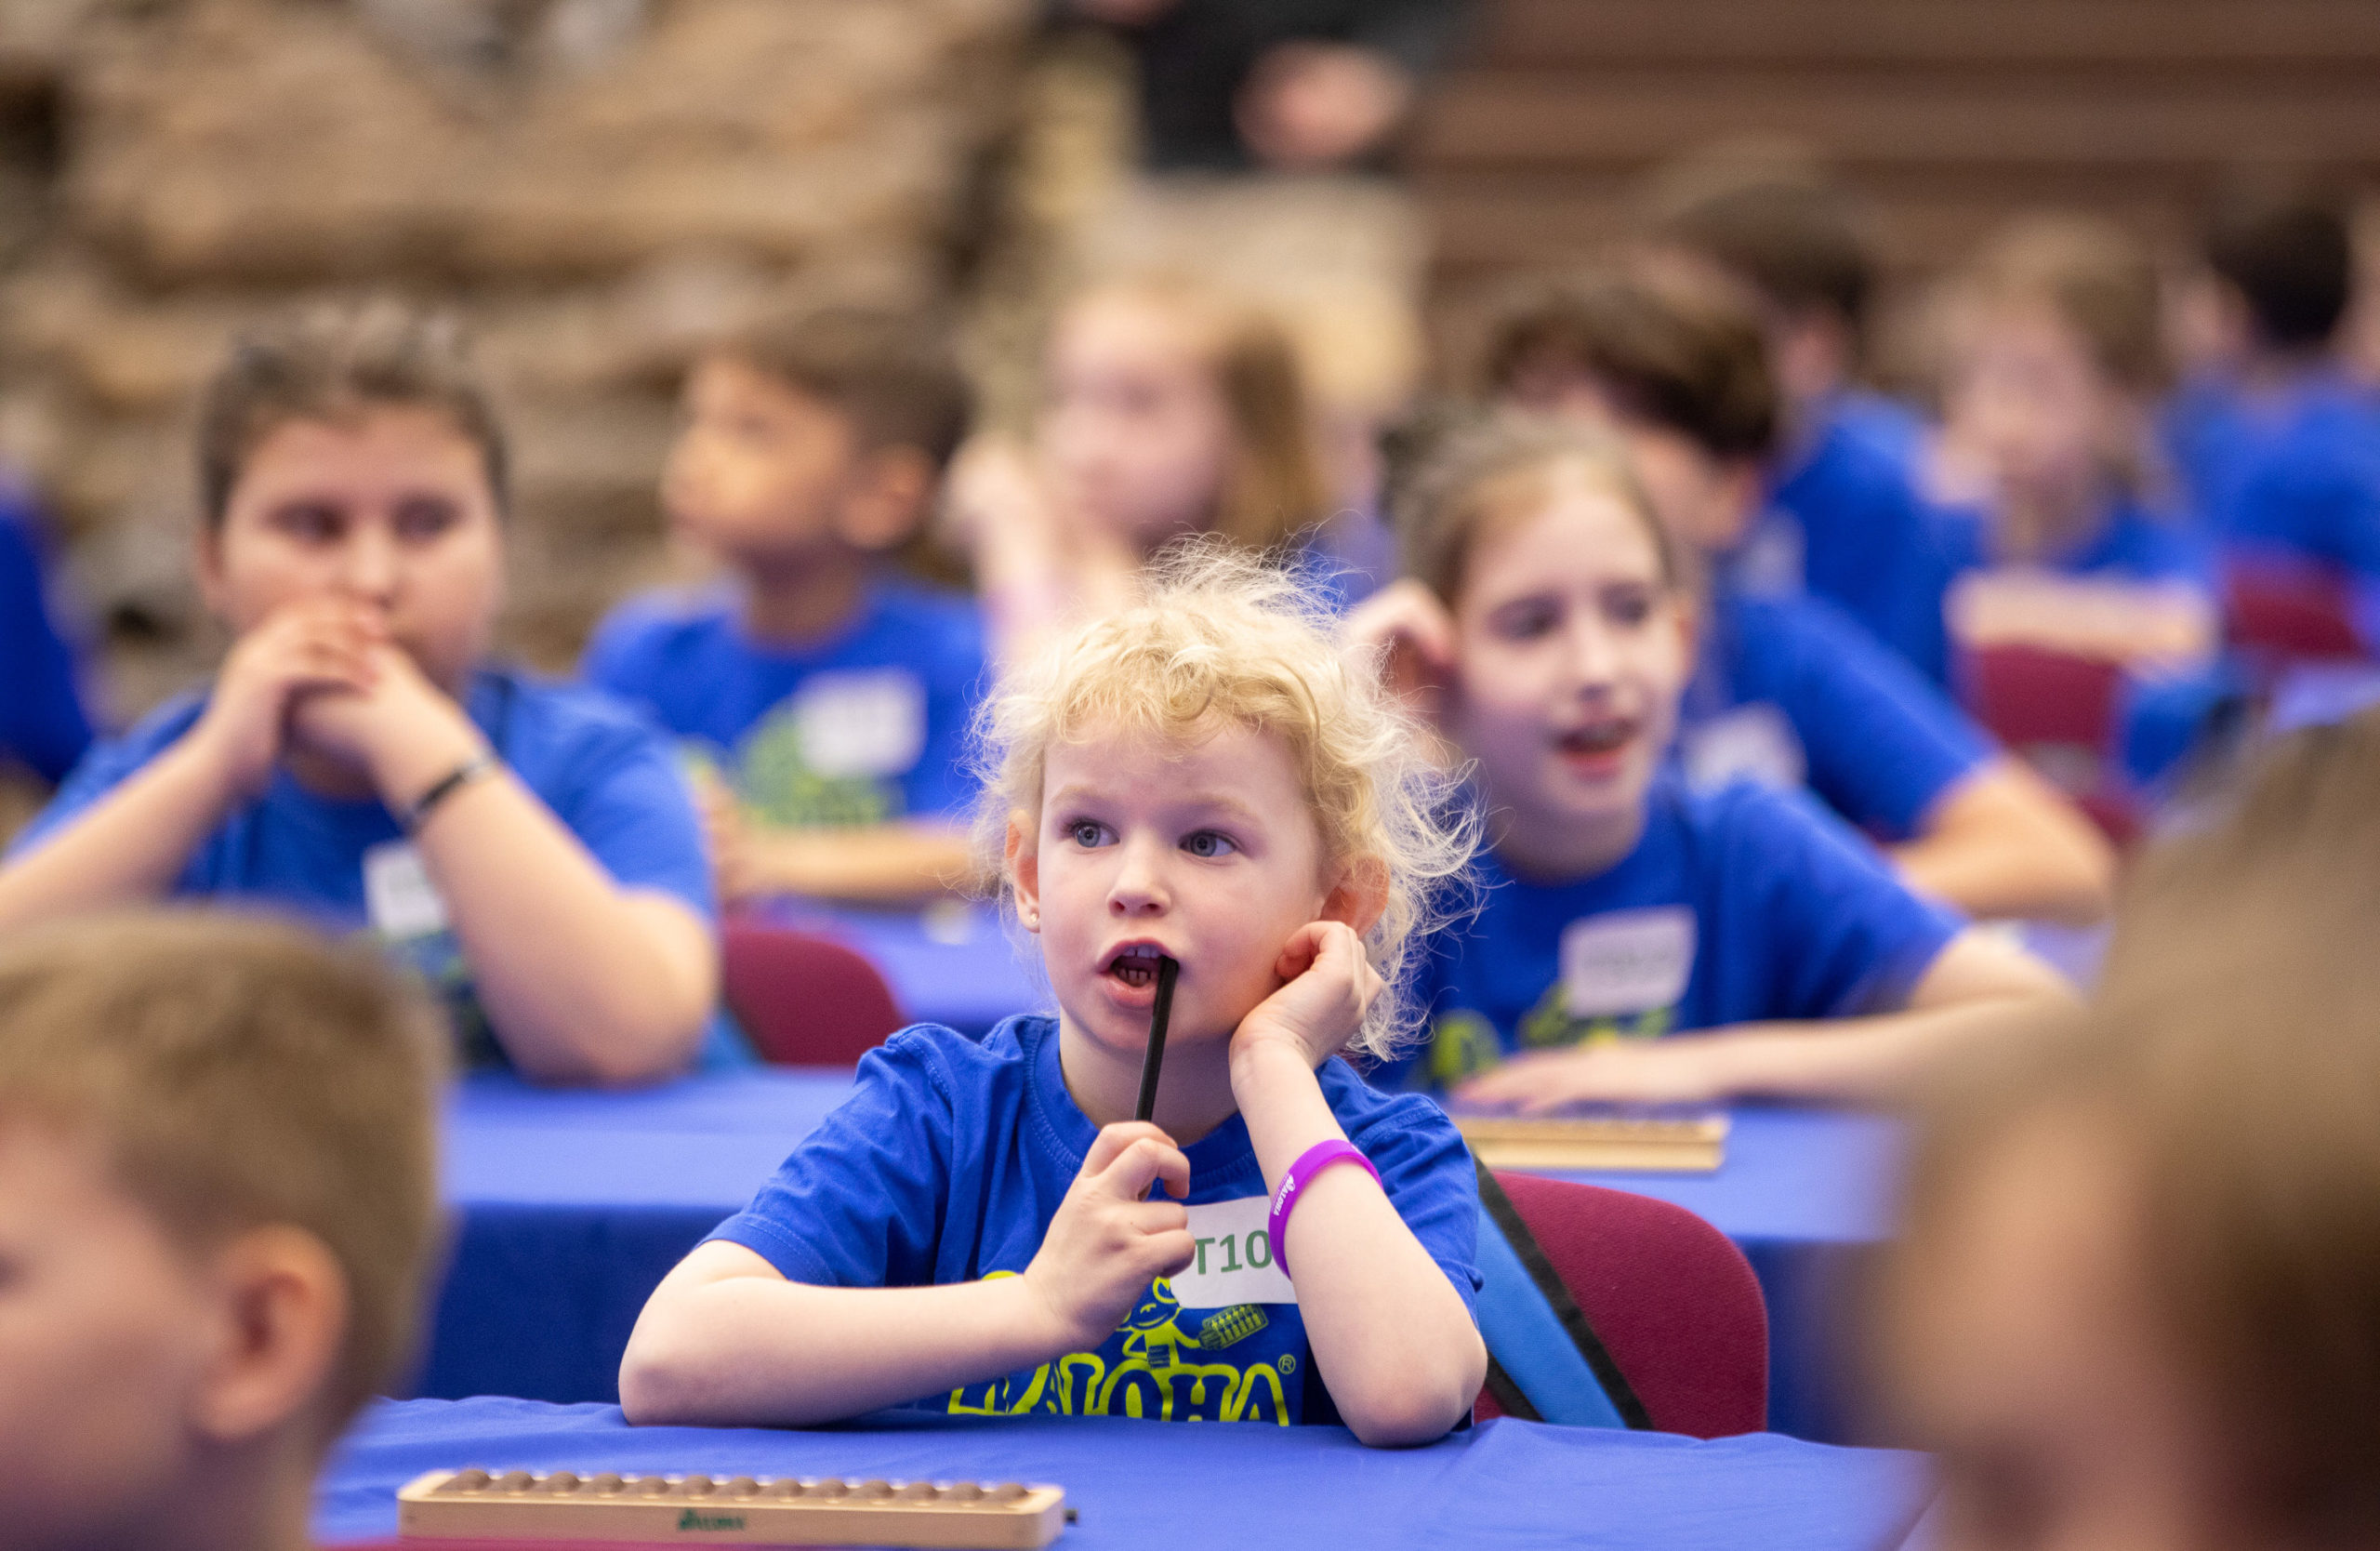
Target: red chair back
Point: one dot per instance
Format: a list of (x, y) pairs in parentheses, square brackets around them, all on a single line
[(803, 1000), (2288, 610), (2029, 696), (1674, 1303)]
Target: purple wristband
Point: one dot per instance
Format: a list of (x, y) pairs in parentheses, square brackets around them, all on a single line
[(1284, 1197)]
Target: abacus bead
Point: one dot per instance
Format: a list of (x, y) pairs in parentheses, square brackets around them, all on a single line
[(652, 1486), (742, 1486), (873, 1488), (607, 1483), (468, 1481), (787, 1487), (696, 1486), (1008, 1491), (963, 1491), (562, 1482), (516, 1481), (916, 1492), (833, 1486)]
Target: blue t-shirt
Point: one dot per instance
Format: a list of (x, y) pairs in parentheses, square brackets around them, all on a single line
[(866, 727), (2310, 487), (607, 776), (1739, 906), (42, 724), (1869, 540), (950, 1158), (1792, 691)]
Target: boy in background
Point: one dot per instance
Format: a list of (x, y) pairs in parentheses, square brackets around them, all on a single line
[(1848, 517), (831, 697), (2279, 445), (216, 1208)]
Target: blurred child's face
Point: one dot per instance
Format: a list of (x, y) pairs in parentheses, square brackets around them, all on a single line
[(104, 1340), (1572, 649), (1135, 429), (1206, 852), (2028, 1360), (2025, 401), (391, 511), (759, 468)]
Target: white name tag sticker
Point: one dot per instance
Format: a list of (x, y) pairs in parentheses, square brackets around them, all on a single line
[(1627, 961), (862, 724), (398, 894), (1748, 743), (1233, 1262)]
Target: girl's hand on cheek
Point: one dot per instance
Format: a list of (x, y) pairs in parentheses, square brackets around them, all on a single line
[(1327, 986), (1106, 1244), (1682, 1070), (1410, 635), (299, 652)]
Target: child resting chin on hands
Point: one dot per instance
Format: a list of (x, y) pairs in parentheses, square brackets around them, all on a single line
[(1197, 777)]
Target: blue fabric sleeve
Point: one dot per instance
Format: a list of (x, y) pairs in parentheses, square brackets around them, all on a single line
[(1427, 1173), (1883, 743), (618, 654), (107, 766), (860, 1201), (42, 720), (1839, 933), (633, 810)]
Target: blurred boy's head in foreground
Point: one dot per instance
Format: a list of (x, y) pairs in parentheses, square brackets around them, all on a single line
[(2138, 1300), (216, 1208)]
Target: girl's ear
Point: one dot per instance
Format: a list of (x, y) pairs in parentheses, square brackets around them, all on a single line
[(1360, 897), (1023, 864)]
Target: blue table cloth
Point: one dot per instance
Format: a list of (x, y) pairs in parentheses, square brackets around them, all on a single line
[(572, 1206), (1185, 1487)]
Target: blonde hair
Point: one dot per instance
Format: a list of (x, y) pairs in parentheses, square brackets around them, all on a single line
[(237, 1073), (1224, 640), (1273, 484)]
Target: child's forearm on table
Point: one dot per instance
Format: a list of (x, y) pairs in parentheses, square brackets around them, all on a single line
[(1400, 1352), (879, 864), (755, 1351), (127, 847), (1884, 1059)]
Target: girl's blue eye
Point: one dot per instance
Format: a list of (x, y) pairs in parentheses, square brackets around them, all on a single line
[(1209, 844), (1084, 832)]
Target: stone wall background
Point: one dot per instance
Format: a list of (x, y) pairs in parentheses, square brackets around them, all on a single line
[(599, 185)]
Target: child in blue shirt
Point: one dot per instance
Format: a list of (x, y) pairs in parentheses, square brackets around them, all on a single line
[(826, 700), (358, 760), (1624, 905), (1848, 515), (1787, 689), (1199, 777), (1171, 406)]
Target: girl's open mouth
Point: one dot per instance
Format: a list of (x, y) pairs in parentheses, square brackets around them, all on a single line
[(1604, 735), (1135, 963)]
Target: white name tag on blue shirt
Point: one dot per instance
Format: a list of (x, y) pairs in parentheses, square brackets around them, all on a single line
[(869, 722), (1627, 961), (398, 894), (1234, 1261)]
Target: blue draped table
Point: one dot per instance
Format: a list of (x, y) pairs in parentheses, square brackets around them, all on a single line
[(1185, 1486), (571, 1206)]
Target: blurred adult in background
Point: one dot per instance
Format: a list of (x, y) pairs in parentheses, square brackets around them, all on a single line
[(1285, 86), (2136, 1302)]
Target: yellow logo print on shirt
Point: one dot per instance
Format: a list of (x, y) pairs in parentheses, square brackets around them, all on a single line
[(1162, 1373), (1464, 1043)]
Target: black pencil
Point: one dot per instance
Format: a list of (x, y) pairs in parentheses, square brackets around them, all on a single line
[(1154, 1057)]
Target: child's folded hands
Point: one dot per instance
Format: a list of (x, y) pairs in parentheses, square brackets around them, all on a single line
[(1106, 1244), (323, 644)]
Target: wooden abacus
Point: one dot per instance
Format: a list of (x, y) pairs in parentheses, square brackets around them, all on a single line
[(1682, 1144), (738, 1510)]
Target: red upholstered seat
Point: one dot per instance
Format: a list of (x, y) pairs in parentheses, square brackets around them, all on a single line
[(2292, 611), (805, 1001), (2059, 710), (1674, 1303)]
